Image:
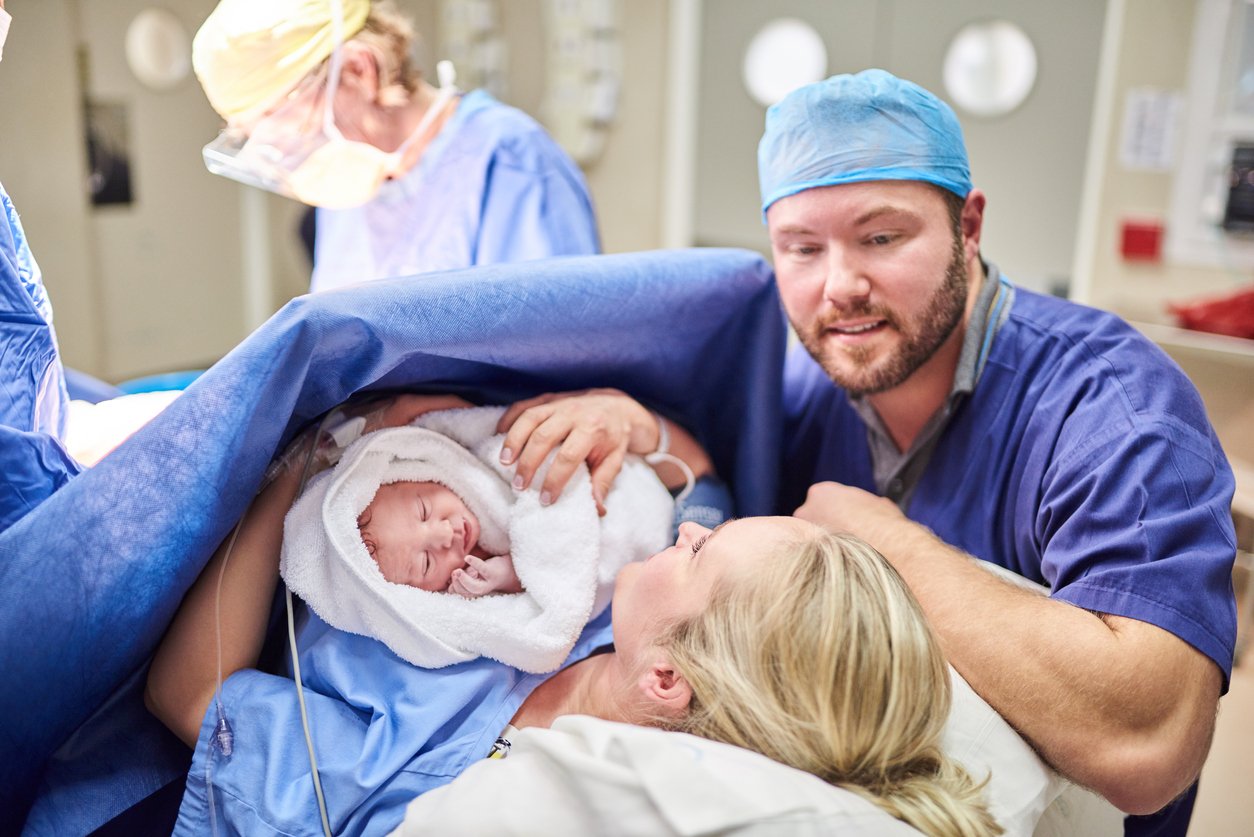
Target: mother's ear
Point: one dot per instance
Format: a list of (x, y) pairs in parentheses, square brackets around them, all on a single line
[(665, 691)]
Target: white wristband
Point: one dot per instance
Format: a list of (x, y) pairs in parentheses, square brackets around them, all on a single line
[(663, 436), (663, 454)]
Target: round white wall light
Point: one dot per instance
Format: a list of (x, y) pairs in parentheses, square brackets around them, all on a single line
[(990, 68), (158, 49), (785, 54)]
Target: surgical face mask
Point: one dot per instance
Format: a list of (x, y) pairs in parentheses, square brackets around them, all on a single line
[(5, 20), (320, 167), (342, 173)]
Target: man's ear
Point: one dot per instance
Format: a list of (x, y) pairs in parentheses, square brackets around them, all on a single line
[(972, 222), (360, 68), (664, 689)]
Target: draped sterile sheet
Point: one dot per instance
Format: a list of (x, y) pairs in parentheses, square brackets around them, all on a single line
[(91, 576)]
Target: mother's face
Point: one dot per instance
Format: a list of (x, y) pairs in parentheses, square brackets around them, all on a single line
[(677, 583)]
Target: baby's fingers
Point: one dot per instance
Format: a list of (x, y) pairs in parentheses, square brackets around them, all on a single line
[(467, 586)]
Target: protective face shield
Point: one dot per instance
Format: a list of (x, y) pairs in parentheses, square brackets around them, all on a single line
[(318, 166), (5, 20)]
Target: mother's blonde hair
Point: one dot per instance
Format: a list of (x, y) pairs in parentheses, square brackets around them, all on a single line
[(824, 662)]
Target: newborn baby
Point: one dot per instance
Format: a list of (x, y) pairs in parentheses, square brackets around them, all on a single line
[(407, 513), (422, 534)]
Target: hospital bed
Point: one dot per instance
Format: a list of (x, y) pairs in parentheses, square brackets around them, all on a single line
[(92, 576)]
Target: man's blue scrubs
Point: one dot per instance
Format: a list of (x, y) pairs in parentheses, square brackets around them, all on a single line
[(1072, 451)]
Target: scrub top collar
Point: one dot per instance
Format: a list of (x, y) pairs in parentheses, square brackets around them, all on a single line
[(896, 472)]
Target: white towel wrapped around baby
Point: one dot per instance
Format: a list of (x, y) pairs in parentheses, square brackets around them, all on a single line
[(565, 556)]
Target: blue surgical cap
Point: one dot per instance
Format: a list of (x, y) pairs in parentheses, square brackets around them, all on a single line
[(855, 128)]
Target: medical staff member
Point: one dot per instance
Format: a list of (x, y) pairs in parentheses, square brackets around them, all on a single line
[(940, 412), (33, 400), (407, 178)]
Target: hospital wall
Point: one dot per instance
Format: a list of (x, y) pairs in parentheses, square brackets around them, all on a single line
[(164, 283), (1152, 52), (137, 287), (1029, 162)]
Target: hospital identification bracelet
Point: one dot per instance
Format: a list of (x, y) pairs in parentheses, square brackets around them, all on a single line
[(663, 436), (663, 454)]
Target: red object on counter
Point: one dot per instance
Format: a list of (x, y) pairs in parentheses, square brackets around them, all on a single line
[(1141, 241), (1232, 315)]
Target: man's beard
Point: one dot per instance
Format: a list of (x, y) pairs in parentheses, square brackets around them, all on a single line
[(937, 323)]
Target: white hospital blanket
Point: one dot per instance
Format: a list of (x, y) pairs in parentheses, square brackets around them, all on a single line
[(564, 554)]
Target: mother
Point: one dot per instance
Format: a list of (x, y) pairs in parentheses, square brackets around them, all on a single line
[(766, 633)]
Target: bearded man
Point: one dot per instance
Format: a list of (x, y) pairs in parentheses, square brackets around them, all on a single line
[(940, 412)]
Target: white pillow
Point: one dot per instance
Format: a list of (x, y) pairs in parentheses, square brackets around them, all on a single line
[(588, 776), (1020, 785)]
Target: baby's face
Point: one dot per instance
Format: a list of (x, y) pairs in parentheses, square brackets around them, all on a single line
[(418, 533)]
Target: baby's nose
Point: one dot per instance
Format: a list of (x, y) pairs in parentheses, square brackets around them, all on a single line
[(447, 534)]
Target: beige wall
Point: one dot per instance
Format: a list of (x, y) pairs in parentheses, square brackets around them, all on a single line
[(626, 183), (1029, 162), (1153, 51), (626, 180), (42, 165), (158, 285), (141, 288)]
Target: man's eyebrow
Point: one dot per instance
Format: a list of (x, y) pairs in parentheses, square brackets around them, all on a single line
[(879, 212), (792, 229)]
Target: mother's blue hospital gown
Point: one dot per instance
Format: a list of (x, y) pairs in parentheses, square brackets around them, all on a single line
[(385, 731)]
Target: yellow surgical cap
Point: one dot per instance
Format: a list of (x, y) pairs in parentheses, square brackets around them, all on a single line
[(249, 53)]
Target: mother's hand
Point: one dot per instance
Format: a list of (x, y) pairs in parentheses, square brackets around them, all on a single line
[(597, 426)]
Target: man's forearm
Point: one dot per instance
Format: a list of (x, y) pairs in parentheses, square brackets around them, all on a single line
[(1117, 705)]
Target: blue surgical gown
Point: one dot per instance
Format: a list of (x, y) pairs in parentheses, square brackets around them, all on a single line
[(1083, 460), (33, 398), (384, 732), (492, 187)]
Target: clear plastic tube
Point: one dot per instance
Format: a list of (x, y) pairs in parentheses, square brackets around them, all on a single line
[(224, 737)]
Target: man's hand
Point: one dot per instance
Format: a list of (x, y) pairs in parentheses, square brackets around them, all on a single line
[(598, 426), (842, 508), (1115, 704)]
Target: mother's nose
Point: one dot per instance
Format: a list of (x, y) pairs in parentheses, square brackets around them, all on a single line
[(689, 532)]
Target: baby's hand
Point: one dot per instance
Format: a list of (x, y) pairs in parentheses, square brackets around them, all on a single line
[(482, 576)]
